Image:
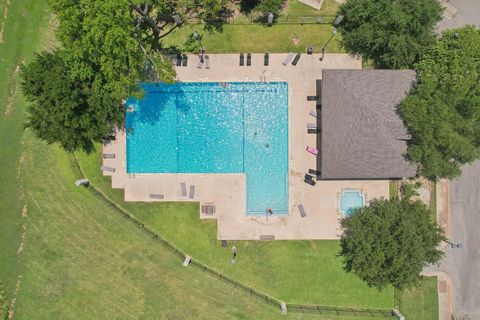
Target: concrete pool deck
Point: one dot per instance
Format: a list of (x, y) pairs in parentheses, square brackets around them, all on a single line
[(227, 191)]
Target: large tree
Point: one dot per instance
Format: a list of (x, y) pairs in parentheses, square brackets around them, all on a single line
[(389, 242), (106, 48), (443, 110), (64, 109), (392, 33)]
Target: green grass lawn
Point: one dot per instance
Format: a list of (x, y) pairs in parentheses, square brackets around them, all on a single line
[(421, 302), (22, 22), (293, 271), (257, 38), (64, 253)]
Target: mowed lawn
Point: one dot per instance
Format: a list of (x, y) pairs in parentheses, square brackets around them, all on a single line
[(421, 302), (64, 253), (258, 38), (307, 272)]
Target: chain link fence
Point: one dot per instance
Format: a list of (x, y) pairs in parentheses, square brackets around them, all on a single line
[(297, 308)]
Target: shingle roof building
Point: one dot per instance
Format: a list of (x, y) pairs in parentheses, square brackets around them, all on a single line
[(362, 135)]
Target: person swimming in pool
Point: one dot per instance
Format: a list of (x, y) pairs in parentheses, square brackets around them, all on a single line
[(223, 84), (131, 108)]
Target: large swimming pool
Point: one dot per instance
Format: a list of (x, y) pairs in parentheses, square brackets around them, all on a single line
[(235, 127)]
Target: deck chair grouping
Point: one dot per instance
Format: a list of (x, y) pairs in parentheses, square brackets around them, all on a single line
[(242, 59)]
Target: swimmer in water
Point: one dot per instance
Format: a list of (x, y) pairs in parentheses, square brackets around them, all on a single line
[(267, 145), (131, 108)]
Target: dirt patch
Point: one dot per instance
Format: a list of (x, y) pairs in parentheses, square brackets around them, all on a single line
[(295, 39), (5, 14), (14, 300), (13, 90)]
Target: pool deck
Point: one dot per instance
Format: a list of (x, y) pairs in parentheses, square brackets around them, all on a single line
[(227, 191)]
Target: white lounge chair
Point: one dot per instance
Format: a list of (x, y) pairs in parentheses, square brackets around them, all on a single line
[(315, 114), (288, 59), (107, 169), (312, 126)]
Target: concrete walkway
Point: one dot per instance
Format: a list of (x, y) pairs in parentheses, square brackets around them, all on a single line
[(227, 192)]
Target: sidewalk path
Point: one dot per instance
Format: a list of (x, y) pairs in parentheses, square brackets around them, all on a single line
[(463, 264)]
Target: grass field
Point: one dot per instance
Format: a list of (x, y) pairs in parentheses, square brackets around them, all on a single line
[(257, 38), (66, 255), (294, 271), (421, 302)]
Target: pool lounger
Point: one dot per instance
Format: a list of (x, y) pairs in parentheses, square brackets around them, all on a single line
[(309, 179), (200, 62), (183, 189), (266, 59), (109, 156), (313, 131), (312, 150), (249, 59), (179, 59), (297, 58), (107, 169), (242, 60), (303, 214), (184, 60), (314, 172), (208, 208), (313, 98), (156, 196), (312, 126), (288, 59), (192, 192), (315, 113), (207, 62)]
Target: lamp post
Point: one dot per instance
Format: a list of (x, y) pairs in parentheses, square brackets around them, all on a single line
[(196, 35), (334, 32)]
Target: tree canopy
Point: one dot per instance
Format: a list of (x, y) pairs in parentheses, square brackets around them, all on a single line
[(389, 242), (106, 49), (65, 109), (392, 33), (443, 110)]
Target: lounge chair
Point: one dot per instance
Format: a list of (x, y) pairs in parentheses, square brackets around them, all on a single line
[(200, 62), (288, 59), (315, 113), (303, 214), (156, 196), (266, 59), (309, 179), (183, 189), (207, 62), (192, 192), (109, 156), (249, 59), (184, 60), (107, 169), (297, 58), (242, 60), (312, 150), (313, 131), (179, 59), (312, 126), (208, 208), (314, 172), (313, 98)]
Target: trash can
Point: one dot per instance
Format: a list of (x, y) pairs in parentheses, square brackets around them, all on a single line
[(309, 49)]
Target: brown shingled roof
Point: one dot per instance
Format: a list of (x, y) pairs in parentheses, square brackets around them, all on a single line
[(362, 136)]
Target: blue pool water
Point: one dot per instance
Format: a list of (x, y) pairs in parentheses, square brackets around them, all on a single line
[(350, 200), (209, 128)]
